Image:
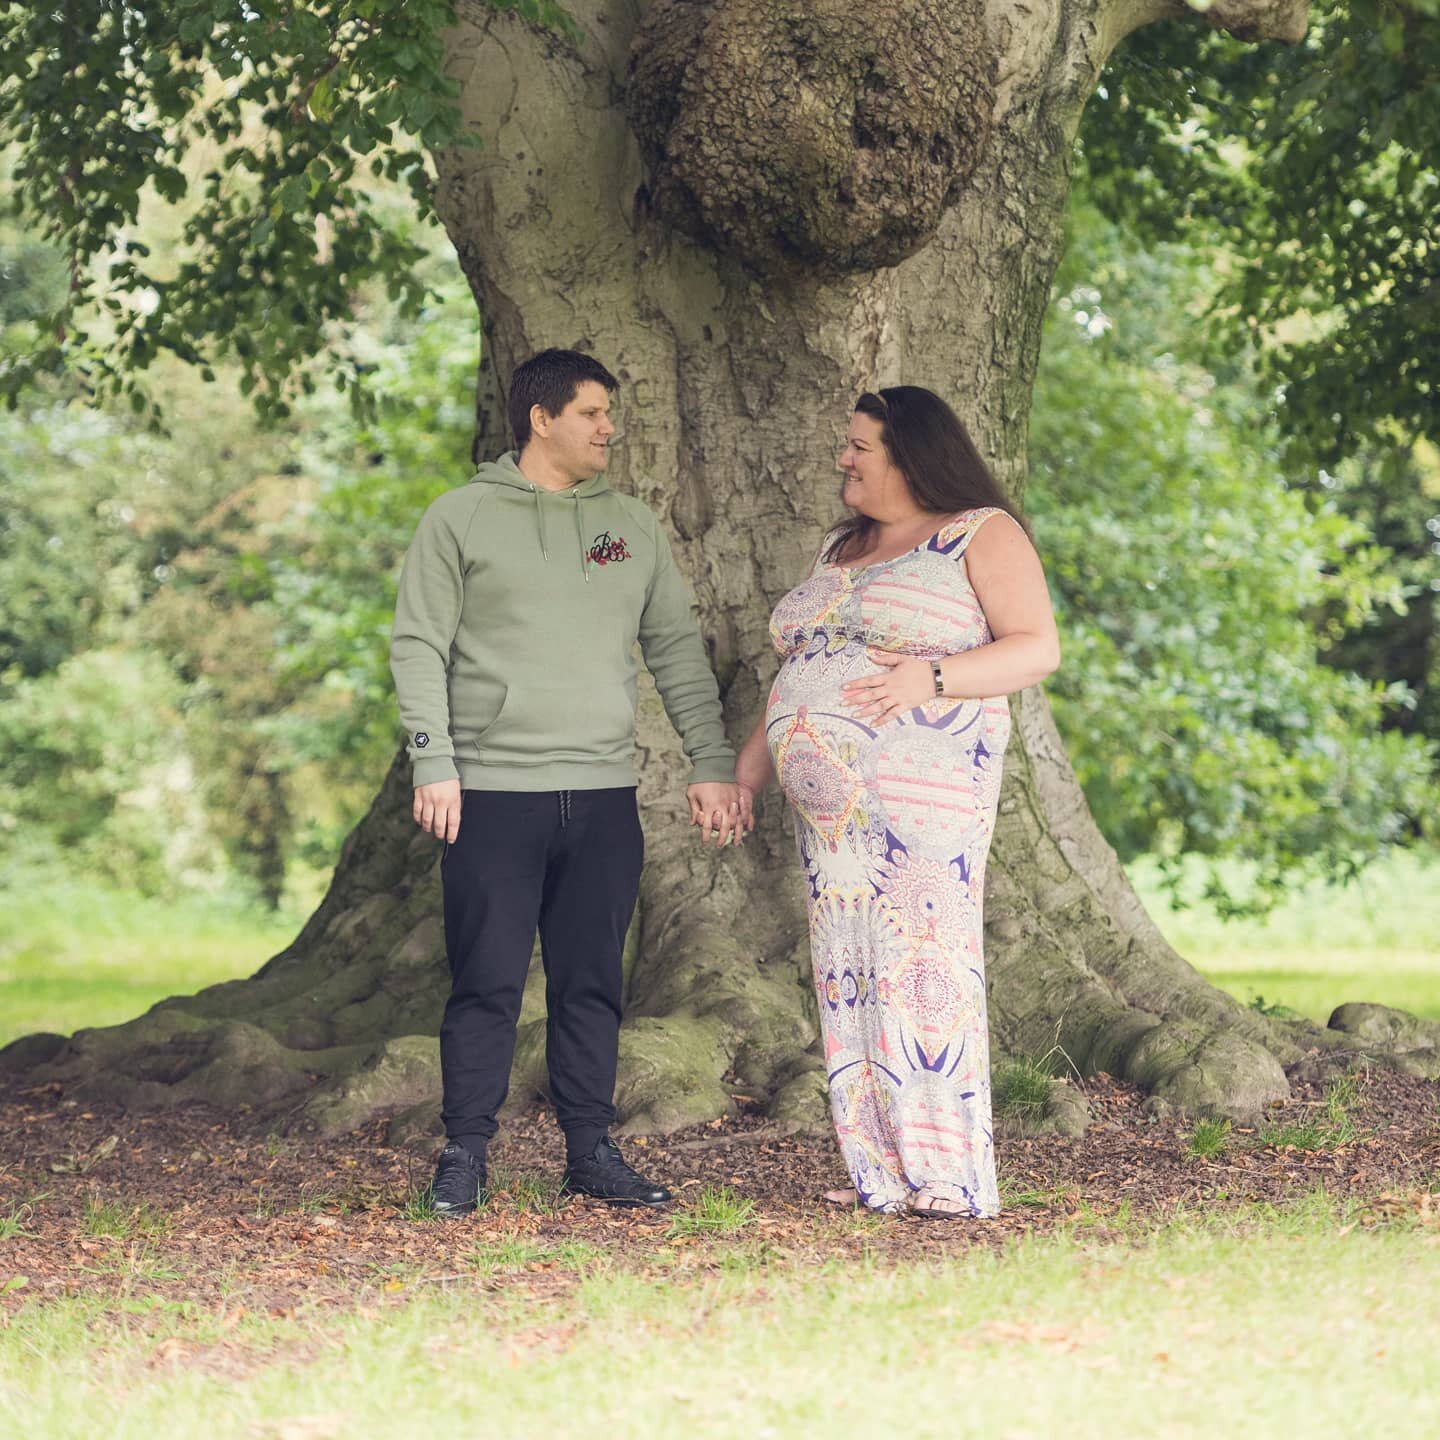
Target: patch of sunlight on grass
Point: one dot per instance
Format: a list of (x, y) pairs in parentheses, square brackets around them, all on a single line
[(1058, 1327), (76, 955), (1376, 940)]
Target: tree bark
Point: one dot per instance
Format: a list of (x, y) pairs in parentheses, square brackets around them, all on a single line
[(698, 194)]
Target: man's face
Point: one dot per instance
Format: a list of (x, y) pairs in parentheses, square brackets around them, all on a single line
[(576, 441)]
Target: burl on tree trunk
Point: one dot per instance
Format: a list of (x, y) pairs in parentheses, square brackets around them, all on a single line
[(752, 210)]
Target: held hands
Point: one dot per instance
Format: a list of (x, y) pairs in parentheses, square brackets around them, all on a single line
[(437, 809), (722, 811), (905, 682), (752, 775), (717, 809)]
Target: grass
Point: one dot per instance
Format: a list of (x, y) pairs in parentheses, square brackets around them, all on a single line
[(142, 1262), (1342, 1096), (418, 1206), (750, 1258), (16, 1215), (515, 1253), (717, 1210), (1373, 940), (529, 1194), (1327, 1131), (1216, 1301), (119, 1220), (74, 955), (318, 1202), (1206, 1305), (1020, 1089), (1033, 1197), (1298, 1135), (1209, 1139)]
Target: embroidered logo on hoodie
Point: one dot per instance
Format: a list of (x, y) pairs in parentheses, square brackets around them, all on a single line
[(608, 551)]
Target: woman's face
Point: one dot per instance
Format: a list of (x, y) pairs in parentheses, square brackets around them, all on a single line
[(873, 485)]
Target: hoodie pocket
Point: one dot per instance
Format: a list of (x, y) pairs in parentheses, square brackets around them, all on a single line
[(538, 724), (477, 710)]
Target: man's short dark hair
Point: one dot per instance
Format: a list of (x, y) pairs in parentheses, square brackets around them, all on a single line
[(550, 380)]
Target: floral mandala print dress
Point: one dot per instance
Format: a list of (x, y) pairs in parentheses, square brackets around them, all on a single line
[(894, 826)]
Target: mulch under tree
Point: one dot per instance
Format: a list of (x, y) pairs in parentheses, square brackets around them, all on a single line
[(209, 1211)]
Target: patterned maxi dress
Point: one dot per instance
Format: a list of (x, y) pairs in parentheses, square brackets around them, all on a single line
[(894, 826)]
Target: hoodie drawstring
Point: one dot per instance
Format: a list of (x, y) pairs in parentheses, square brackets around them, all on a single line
[(580, 539), (579, 531)]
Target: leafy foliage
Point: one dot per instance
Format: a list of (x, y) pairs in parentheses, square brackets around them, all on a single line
[(104, 755), (1314, 172), (1317, 167), (1187, 569), (63, 563), (1393, 492), (272, 124), (226, 596), (100, 787), (332, 568), (239, 193)]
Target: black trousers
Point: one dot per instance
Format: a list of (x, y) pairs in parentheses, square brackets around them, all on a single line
[(567, 862)]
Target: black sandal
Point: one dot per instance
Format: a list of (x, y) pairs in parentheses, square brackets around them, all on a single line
[(931, 1212)]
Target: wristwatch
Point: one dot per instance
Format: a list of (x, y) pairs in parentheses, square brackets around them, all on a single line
[(939, 679)]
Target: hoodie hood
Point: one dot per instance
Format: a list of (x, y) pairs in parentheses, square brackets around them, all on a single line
[(505, 472)]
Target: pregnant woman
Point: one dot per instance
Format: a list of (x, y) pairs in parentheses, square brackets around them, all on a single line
[(886, 727)]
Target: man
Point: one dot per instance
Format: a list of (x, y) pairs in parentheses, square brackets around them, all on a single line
[(520, 603)]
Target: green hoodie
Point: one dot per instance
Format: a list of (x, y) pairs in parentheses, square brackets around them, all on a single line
[(515, 629)]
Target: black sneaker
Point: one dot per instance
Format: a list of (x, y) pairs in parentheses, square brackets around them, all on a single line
[(459, 1183), (603, 1175)]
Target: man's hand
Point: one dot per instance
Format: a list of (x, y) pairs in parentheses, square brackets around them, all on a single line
[(715, 808), (437, 809)]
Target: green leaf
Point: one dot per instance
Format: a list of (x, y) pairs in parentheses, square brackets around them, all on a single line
[(322, 98), (292, 195)]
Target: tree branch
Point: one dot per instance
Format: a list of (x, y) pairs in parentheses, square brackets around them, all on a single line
[(1252, 20)]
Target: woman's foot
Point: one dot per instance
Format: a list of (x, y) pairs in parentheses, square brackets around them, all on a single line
[(935, 1207), (845, 1199)]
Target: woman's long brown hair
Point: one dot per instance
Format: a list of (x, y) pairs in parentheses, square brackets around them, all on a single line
[(927, 443)]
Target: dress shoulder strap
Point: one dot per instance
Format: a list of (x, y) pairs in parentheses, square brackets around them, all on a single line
[(955, 537), (825, 542)]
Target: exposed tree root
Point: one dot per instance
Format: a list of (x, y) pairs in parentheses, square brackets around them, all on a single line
[(341, 1026)]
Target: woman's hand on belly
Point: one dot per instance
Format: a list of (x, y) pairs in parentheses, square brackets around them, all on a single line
[(903, 682)]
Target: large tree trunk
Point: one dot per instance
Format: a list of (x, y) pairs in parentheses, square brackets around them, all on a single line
[(751, 210)]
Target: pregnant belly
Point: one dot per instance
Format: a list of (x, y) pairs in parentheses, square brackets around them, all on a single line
[(816, 679), (815, 744), (928, 761)]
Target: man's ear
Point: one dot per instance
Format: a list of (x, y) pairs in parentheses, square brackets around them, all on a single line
[(539, 420)]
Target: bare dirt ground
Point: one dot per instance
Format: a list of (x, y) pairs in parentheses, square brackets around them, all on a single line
[(202, 1208)]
